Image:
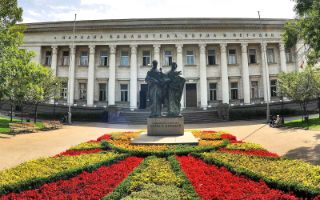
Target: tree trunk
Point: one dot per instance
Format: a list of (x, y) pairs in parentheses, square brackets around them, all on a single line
[(54, 109), (319, 106), (35, 113), (21, 113), (11, 112)]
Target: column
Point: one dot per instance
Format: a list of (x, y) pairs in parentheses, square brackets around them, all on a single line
[(91, 76), (112, 76), (203, 77), (156, 53), (180, 68), (265, 73), (133, 78), (224, 74), (245, 74), (283, 62), (71, 74), (54, 60)]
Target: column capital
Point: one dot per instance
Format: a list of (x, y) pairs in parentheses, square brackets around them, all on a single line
[(156, 48), (282, 46), (223, 47), (244, 47), (72, 49), (133, 48), (179, 48), (92, 49), (202, 48), (113, 49), (54, 49), (263, 46)]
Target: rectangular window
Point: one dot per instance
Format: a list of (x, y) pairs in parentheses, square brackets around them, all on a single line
[(211, 57), (83, 91), (64, 91), (168, 58), (289, 56), (48, 58), (270, 56), (84, 59), (146, 58), (124, 58), (190, 58), (252, 56), (212, 91), (234, 90), (254, 90), (273, 88), (124, 92), (102, 91), (65, 58), (103, 58), (232, 57)]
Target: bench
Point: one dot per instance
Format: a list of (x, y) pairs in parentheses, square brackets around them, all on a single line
[(25, 127), (48, 125)]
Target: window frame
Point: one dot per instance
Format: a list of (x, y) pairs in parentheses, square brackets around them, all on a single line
[(232, 58), (288, 53), (234, 89), (252, 54), (146, 59), (211, 55), (273, 88), (124, 59), (168, 59), (270, 56), (124, 93), (65, 59), (64, 91), (254, 95), (84, 59), (213, 92), (190, 57), (48, 58), (83, 91), (104, 59), (103, 98)]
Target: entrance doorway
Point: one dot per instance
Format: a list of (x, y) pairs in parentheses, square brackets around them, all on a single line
[(191, 95), (143, 96)]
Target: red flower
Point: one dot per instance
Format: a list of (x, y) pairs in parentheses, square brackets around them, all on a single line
[(104, 137), (78, 152), (263, 153), (86, 185), (228, 136), (208, 131), (211, 182)]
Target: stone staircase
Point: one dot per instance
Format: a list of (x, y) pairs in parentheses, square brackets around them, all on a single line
[(190, 117)]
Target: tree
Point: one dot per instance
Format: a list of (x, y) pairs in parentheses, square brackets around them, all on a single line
[(305, 27), (300, 86), (45, 87)]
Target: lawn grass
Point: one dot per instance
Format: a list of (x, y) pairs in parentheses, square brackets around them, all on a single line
[(314, 123), (4, 124)]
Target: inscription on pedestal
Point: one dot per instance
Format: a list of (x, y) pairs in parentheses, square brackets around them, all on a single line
[(165, 126)]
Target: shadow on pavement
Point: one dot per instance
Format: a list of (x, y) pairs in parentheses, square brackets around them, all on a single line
[(309, 154)]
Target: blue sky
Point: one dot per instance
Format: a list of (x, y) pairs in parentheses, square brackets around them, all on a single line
[(63, 10)]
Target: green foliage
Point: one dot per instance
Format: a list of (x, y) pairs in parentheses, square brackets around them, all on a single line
[(10, 13), (289, 175), (305, 27), (36, 172)]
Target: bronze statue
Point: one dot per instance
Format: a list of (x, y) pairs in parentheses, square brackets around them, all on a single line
[(164, 88), (175, 89), (154, 94)]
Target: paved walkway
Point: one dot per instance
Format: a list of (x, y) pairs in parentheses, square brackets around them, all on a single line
[(294, 143)]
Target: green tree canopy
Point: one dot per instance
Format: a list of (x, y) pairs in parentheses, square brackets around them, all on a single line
[(305, 27)]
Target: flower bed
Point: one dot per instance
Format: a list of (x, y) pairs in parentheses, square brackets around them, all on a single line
[(244, 146), (86, 185), (36, 172), (289, 175), (93, 144), (146, 182), (211, 182), (263, 153), (78, 152)]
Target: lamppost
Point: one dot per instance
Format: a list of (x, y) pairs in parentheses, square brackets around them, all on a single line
[(69, 97), (266, 69)]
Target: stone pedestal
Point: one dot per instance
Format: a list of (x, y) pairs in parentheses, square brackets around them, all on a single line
[(165, 126)]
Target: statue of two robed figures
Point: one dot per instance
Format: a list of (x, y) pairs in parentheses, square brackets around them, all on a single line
[(165, 89)]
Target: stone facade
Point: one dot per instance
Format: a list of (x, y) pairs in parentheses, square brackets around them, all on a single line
[(105, 61)]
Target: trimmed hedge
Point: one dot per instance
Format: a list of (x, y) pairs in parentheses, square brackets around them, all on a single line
[(307, 186), (32, 174)]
